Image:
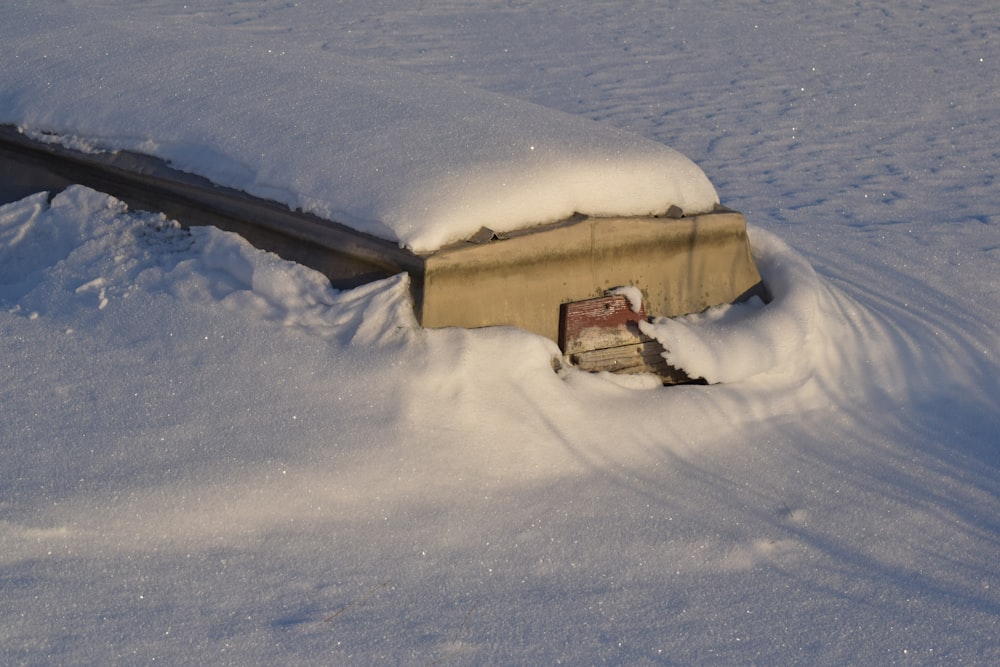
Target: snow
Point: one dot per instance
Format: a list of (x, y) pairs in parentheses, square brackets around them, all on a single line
[(633, 294), (412, 158), (210, 456)]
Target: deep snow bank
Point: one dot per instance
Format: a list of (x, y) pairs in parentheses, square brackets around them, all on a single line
[(177, 400), (419, 160), (734, 342), (813, 343), (84, 253)]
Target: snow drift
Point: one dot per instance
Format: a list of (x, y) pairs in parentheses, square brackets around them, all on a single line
[(207, 456), (401, 156)]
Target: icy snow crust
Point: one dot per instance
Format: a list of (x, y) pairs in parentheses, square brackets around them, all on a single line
[(209, 456), (239, 442), (402, 156)]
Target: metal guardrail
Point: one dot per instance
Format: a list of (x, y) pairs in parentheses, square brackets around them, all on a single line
[(348, 257)]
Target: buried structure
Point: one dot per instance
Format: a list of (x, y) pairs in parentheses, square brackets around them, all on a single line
[(584, 281), (501, 211)]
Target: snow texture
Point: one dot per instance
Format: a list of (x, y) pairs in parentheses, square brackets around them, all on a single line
[(633, 294), (403, 156), (210, 456)]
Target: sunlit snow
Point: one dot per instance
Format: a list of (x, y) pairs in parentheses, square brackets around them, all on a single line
[(210, 456), (416, 159)]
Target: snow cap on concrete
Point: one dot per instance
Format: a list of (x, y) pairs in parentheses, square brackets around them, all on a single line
[(416, 159)]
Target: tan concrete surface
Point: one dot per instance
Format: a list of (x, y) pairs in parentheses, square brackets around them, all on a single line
[(681, 266)]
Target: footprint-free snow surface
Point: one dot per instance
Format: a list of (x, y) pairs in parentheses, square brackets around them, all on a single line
[(209, 456), (415, 159)]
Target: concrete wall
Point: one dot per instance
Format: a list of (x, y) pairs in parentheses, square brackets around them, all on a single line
[(681, 265)]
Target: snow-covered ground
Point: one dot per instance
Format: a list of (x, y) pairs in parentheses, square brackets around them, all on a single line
[(209, 456), (415, 159)]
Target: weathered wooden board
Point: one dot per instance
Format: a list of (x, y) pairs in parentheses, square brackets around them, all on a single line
[(598, 323), (602, 334)]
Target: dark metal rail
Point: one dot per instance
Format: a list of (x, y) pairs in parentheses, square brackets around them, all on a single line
[(348, 257)]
